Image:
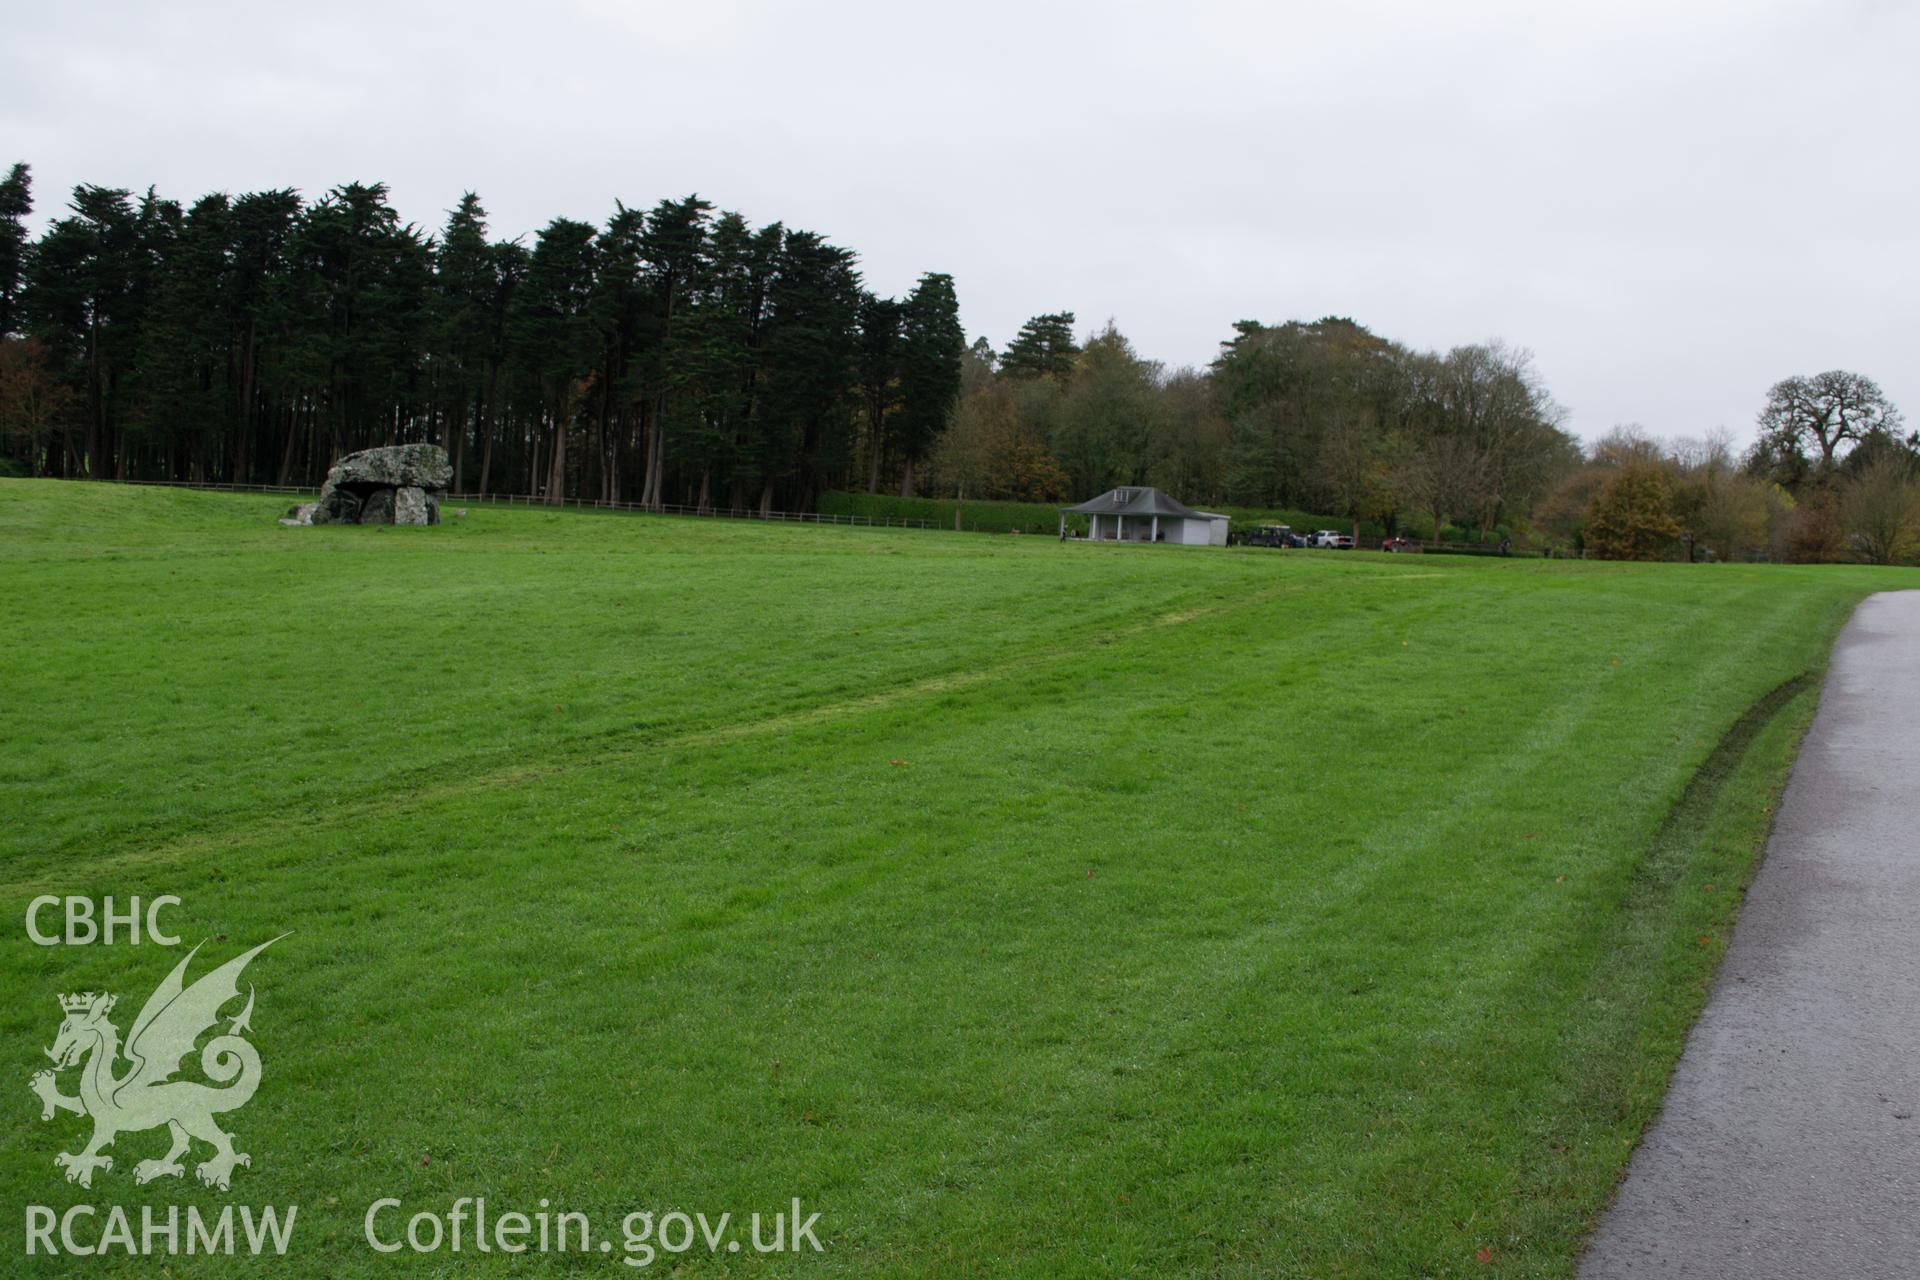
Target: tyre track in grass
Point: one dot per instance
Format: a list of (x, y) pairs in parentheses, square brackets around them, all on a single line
[(1222, 965), (1686, 822), (1232, 969), (1631, 1031), (1236, 971), (447, 780), (1788, 1145)]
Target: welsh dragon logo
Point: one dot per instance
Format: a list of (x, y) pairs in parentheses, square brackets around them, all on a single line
[(145, 1095)]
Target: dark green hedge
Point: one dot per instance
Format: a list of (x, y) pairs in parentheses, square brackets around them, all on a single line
[(988, 517)]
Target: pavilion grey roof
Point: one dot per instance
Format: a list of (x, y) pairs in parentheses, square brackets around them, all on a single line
[(1136, 500)]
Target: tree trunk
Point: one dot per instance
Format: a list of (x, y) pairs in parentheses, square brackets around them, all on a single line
[(557, 472), (244, 426), (649, 425), (656, 464), (603, 452), (906, 479), (310, 439), (461, 413), (535, 446), (286, 454), (622, 437), (489, 406), (96, 431), (242, 451)]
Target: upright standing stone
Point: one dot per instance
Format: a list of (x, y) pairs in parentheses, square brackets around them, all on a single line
[(410, 505), (336, 506), (378, 508)]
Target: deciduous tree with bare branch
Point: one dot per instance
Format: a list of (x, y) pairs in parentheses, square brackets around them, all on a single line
[(1822, 416)]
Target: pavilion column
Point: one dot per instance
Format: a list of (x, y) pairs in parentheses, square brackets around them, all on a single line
[(1119, 528), (1155, 537)]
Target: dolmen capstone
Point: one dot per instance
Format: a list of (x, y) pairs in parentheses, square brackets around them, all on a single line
[(397, 484)]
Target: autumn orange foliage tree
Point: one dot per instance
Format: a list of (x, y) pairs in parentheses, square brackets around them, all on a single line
[(1631, 518), (33, 402)]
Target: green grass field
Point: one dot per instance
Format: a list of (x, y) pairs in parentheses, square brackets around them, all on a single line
[(1025, 909)]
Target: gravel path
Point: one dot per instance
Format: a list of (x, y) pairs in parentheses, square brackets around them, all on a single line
[(1789, 1145)]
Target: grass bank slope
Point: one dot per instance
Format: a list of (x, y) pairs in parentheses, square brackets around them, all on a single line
[(1023, 908)]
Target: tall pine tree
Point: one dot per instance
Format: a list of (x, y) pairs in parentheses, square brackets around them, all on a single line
[(931, 345), (16, 202), (1044, 348), (555, 344)]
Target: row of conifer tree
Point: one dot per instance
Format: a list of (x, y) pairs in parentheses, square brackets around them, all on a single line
[(672, 356)]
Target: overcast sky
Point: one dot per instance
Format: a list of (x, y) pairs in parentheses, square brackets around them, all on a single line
[(1672, 203)]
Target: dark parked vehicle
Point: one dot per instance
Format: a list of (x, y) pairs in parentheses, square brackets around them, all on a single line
[(1271, 535)]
